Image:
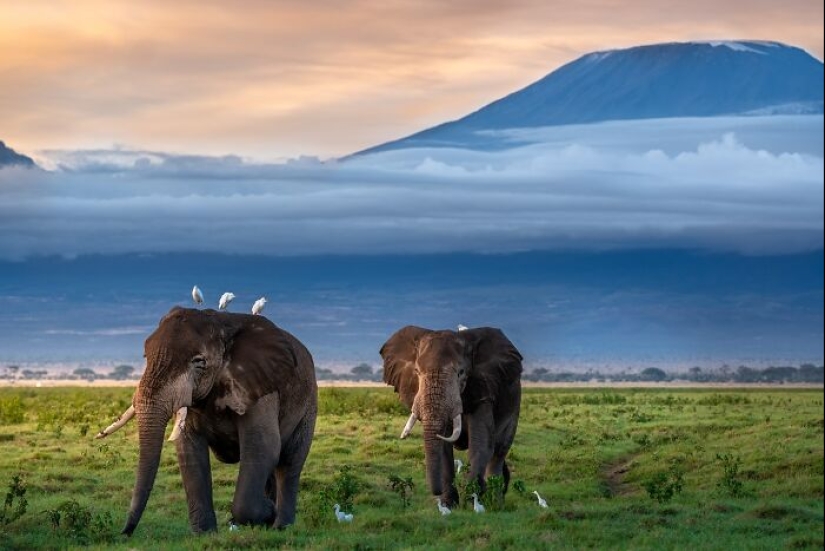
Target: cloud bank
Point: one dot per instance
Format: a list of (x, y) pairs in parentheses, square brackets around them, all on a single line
[(753, 185)]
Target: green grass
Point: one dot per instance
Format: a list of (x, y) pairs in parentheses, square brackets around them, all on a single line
[(620, 469)]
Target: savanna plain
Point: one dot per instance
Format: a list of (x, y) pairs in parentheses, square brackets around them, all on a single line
[(619, 468)]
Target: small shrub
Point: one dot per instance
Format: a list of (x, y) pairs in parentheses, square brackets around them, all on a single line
[(493, 498), (12, 411), (342, 491), (731, 482), (665, 484), (80, 523), (402, 487), (471, 486), (15, 504), (520, 487)]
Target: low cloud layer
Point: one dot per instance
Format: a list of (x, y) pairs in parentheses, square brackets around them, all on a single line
[(752, 185)]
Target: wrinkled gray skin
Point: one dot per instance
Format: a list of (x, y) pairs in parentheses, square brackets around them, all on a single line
[(252, 398), (475, 373)]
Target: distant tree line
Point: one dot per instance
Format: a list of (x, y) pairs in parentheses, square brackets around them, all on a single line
[(805, 373), (119, 373), (361, 372)]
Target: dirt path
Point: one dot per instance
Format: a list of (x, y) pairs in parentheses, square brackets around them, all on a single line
[(613, 475)]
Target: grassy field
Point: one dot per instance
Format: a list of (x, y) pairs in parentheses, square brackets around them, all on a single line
[(620, 469)]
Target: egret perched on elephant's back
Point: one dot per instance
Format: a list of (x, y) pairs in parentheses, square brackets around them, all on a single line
[(258, 307), (197, 296), (226, 298)]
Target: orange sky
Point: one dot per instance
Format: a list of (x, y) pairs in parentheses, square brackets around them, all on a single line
[(269, 80)]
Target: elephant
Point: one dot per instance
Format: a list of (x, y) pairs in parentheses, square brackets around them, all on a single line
[(238, 385), (466, 384)]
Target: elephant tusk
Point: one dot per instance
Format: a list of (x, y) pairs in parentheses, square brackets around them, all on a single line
[(456, 430), (409, 426), (119, 422), (180, 418)]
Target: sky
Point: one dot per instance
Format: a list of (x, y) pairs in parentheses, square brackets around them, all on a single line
[(273, 80)]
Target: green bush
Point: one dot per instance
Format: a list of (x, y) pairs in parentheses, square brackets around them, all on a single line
[(663, 485), (402, 487), (80, 523), (12, 411), (15, 504), (731, 483)]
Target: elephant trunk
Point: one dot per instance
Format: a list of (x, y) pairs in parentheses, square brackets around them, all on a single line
[(151, 427), (439, 407), (433, 456)]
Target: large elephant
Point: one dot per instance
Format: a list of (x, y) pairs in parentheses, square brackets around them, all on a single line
[(463, 384), (238, 385)]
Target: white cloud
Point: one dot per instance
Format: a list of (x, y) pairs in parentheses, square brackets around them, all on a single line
[(748, 184)]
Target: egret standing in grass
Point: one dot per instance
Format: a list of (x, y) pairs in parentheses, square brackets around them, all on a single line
[(258, 307), (197, 296), (542, 503), (477, 506), (340, 515), (226, 298), (444, 510), (458, 466)]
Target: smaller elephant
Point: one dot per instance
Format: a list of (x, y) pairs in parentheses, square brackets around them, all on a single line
[(463, 384), (238, 385)]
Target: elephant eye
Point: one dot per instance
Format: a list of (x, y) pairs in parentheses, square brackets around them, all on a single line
[(199, 362), (461, 372)]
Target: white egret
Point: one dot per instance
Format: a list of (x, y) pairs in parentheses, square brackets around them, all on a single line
[(477, 506), (342, 516), (458, 466), (462, 327), (443, 509), (258, 307), (197, 296), (542, 503), (226, 298)]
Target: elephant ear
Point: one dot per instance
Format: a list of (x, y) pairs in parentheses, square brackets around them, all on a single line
[(495, 365), (259, 360), (399, 353)]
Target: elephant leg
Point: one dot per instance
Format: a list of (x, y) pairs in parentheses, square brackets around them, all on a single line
[(260, 447), (498, 467), (271, 490), (450, 495), (193, 459), (480, 446), (288, 473)]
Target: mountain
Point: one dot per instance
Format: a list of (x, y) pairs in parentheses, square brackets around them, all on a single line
[(694, 79), (9, 156)]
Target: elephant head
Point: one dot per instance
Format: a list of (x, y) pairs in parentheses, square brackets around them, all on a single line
[(194, 355), (441, 376)]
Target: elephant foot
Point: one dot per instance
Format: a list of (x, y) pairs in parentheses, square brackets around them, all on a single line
[(450, 497), (203, 523), (254, 514)]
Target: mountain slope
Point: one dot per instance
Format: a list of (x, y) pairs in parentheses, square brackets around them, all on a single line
[(9, 156), (696, 79)]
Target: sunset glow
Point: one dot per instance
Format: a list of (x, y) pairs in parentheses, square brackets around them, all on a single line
[(272, 80)]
